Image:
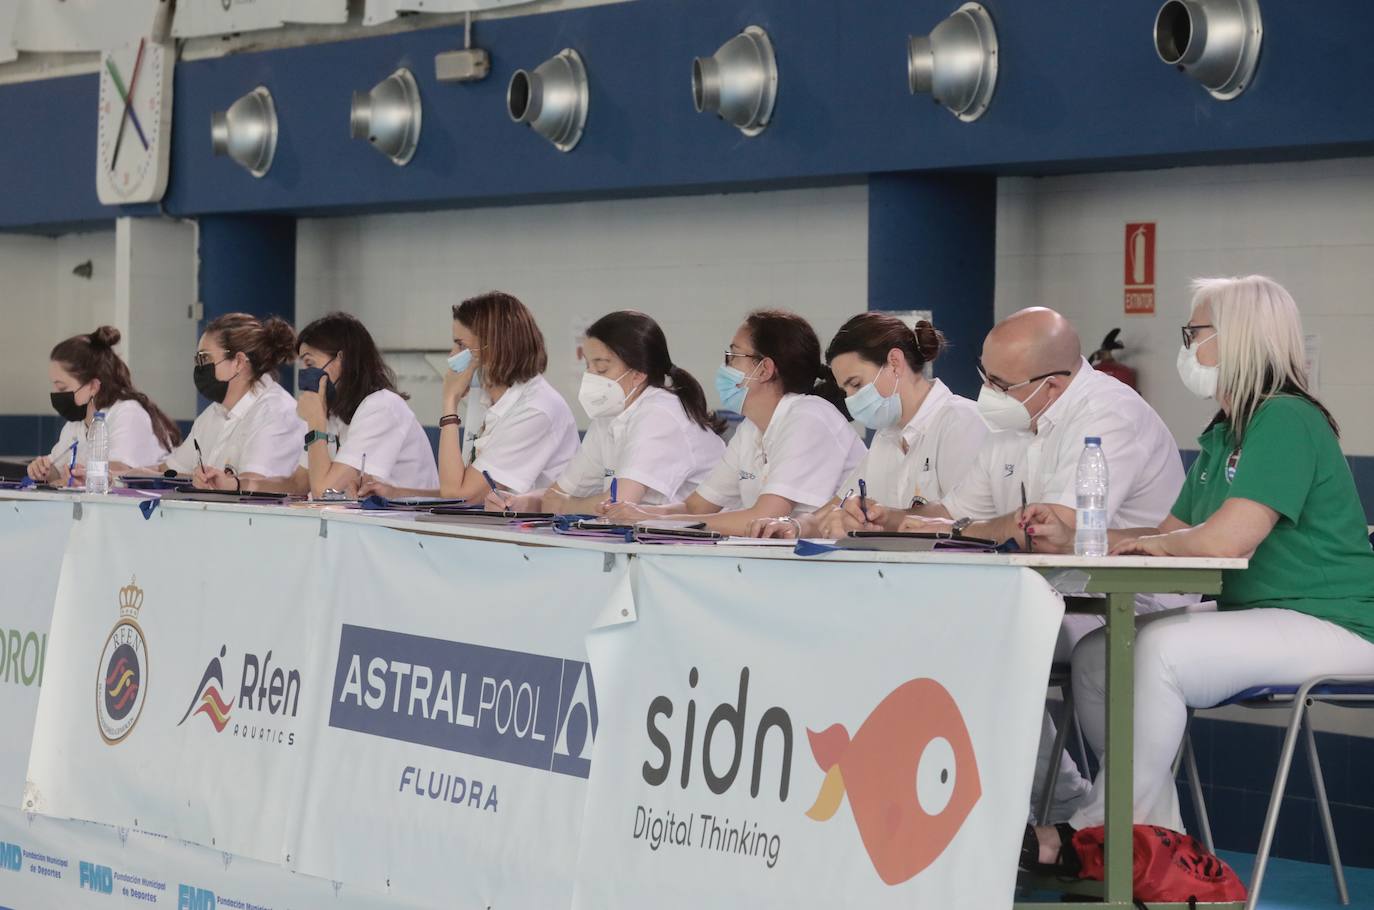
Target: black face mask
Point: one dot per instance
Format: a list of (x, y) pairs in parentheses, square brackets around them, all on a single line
[(64, 403), (206, 384)]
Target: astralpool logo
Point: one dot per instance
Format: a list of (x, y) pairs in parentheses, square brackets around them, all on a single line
[(915, 734), (263, 689), (509, 706)]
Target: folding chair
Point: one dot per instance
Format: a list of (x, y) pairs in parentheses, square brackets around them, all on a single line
[(1061, 678), (1342, 691)]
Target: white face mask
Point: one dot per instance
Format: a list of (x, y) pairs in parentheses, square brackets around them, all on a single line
[(601, 396), (1002, 412), (1200, 380)]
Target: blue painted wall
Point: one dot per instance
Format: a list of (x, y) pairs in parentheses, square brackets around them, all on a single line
[(1081, 89)]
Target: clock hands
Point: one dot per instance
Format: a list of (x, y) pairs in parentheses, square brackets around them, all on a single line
[(128, 98)]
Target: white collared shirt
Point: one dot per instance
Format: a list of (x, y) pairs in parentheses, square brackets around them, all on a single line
[(652, 442), (525, 439), (1144, 470), (383, 431), (261, 434), (132, 440), (941, 443), (806, 452)]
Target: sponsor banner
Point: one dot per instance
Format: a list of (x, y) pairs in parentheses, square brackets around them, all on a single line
[(183, 655), (33, 537), (457, 735), (773, 731), (196, 18), (48, 862)]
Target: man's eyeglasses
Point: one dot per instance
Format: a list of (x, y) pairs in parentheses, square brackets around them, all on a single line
[(1190, 333), (989, 379), (729, 354)]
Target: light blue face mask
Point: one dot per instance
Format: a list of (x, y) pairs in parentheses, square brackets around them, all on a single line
[(728, 386), (460, 361), (874, 410)]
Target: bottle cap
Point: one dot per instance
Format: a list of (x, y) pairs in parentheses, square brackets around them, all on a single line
[(1092, 441), (100, 415)]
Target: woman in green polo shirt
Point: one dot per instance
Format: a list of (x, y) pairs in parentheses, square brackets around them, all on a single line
[(1271, 484)]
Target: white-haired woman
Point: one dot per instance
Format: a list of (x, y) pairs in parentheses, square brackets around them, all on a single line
[(1270, 483)]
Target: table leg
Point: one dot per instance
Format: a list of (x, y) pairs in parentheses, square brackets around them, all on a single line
[(1120, 747)]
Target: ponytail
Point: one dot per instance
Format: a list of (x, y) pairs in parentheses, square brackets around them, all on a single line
[(688, 391), (826, 387)]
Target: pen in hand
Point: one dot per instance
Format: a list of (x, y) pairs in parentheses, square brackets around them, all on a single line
[(613, 491), (199, 457), (491, 483), (1030, 541), (71, 469), (863, 495)]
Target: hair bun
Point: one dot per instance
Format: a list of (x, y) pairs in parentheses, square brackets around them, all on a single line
[(929, 341), (107, 336)]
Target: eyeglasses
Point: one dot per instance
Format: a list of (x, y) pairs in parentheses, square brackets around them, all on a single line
[(205, 359), (729, 354), (989, 379), (1190, 333)]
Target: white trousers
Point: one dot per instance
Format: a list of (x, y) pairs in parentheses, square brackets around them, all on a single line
[(1197, 659)]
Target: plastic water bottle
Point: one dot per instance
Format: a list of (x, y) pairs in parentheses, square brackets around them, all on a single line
[(98, 459), (1090, 537)]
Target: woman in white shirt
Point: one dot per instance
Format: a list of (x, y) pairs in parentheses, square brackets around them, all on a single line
[(795, 445), (250, 431), (925, 436), (650, 431), (517, 429), (356, 421), (88, 376)]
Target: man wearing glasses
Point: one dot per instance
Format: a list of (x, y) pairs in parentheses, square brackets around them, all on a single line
[(1042, 399)]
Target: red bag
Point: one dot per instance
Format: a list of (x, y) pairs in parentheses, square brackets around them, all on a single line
[(1168, 867)]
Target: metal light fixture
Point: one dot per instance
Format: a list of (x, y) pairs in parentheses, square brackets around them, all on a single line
[(957, 62), (247, 131), (552, 99), (739, 82), (389, 116), (1217, 42)]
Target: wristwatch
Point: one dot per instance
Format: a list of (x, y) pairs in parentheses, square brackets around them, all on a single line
[(957, 529), (314, 436)]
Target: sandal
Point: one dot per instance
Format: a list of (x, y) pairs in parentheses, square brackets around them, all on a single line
[(1065, 865)]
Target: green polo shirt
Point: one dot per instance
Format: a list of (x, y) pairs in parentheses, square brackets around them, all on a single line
[(1317, 560)]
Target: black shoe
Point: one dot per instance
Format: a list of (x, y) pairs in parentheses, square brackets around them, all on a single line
[(1065, 865)]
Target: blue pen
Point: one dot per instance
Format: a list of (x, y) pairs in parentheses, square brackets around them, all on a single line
[(612, 489), (491, 483), (71, 470), (863, 493)]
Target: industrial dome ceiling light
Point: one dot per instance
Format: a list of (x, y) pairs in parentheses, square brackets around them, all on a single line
[(739, 82), (247, 131), (552, 99), (389, 116), (1217, 42), (957, 62)]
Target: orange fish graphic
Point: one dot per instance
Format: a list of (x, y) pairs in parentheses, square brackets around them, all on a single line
[(910, 775)]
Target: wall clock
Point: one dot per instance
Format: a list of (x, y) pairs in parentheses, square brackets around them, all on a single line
[(135, 122)]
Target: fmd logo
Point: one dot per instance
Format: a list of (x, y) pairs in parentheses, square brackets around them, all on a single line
[(99, 879), (11, 857), (191, 898), (510, 706)]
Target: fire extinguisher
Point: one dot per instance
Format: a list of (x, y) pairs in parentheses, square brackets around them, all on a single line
[(1103, 360)]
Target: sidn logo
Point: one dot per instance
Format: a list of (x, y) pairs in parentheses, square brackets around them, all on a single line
[(189, 898), (11, 857), (725, 718), (99, 879)]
